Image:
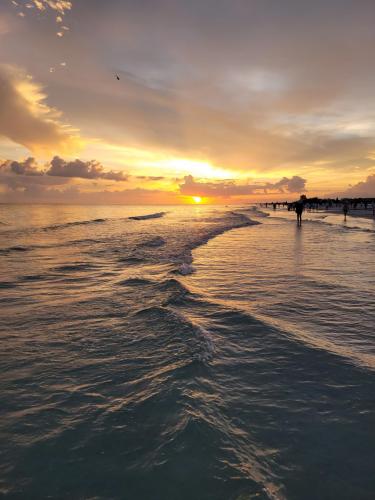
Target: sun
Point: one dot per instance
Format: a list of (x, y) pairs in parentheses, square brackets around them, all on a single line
[(197, 199)]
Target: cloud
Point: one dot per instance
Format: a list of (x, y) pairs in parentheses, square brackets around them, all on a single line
[(249, 87), (59, 168), (4, 24), (21, 175), (216, 83), (176, 122), (20, 183), (191, 187), (26, 167), (294, 185), (26, 119), (59, 7), (82, 169), (364, 189), (150, 177)]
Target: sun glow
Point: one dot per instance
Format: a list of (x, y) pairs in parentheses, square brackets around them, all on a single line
[(197, 199), (184, 166)]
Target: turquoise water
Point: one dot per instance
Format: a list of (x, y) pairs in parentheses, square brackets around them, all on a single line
[(206, 353)]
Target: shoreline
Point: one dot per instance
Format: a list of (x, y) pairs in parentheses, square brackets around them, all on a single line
[(360, 212)]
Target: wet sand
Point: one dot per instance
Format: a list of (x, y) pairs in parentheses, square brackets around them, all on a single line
[(359, 212)]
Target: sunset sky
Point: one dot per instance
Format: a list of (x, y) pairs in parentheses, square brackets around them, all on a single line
[(227, 100)]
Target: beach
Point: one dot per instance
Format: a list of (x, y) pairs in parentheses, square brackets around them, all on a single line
[(358, 212), (202, 352)]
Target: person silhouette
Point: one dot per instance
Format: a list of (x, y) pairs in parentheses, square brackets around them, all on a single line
[(345, 209), (299, 209)]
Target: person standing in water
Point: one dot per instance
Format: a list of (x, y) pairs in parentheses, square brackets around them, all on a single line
[(345, 209), (299, 209)]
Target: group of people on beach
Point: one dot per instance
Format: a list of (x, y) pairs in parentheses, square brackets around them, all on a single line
[(298, 206), (311, 204), (316, 203)]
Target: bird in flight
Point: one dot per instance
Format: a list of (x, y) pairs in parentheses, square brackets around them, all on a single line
[(118, 78)]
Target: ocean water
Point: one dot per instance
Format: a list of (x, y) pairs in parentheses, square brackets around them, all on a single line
[(200, 353)]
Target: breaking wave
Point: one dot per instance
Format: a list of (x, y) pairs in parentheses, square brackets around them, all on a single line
[(17, 248), (185, 258), (173, 323), (156, 215), (135, 282), (55, 227)]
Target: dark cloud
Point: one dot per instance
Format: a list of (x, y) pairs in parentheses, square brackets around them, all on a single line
[(19, 175), (58, 168), (362, 189), (230, 188), (294, 185), (82, 169), (26, 167)]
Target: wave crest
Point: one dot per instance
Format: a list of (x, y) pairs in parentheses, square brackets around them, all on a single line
[(173, 323), (55, 227), (156, 215)]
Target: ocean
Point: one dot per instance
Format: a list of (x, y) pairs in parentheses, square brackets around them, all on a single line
[(186, 352)]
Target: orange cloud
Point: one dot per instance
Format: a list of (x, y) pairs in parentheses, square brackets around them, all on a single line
[(26, 119)]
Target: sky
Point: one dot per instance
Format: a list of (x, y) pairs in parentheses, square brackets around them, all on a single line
[(231, 101)]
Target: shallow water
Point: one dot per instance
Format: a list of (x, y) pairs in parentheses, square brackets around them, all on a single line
[(205, 352)]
